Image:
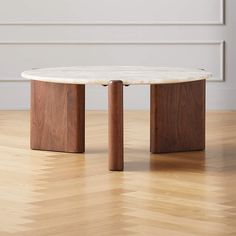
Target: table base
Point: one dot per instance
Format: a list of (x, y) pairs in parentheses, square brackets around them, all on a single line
[(177, 119)]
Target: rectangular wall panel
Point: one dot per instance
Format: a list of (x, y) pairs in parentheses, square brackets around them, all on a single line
[(17, 57), (112, 12)]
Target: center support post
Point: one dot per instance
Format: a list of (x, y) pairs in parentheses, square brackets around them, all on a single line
[(115, 126)]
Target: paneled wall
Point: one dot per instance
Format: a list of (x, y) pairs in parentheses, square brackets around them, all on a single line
[(186, 33)]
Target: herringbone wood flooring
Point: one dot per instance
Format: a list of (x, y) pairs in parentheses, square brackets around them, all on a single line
[(49, 193)]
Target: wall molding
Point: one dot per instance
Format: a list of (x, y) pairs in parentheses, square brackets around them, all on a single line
[(221, 21), (220, 43)]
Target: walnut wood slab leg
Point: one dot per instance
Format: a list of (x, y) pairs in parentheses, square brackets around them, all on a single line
[(115, 127), (57, 117), (177, 117)]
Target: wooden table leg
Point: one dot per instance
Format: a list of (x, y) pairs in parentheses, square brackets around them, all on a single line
[(57, 117), (115, 110), (177, 117)]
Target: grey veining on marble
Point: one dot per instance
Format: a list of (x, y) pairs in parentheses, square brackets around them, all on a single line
[(128, 74)]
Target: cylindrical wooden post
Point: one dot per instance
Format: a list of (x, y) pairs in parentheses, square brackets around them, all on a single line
[(115, 127)]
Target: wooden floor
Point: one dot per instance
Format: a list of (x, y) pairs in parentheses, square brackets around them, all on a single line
[(48, 193)]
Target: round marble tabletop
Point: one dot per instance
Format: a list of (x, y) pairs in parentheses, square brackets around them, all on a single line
[(104, 74)]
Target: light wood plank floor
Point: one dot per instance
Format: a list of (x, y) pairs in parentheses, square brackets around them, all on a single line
[(48, 193)]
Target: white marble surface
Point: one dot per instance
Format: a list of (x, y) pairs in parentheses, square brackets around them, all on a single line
[(104, 74)]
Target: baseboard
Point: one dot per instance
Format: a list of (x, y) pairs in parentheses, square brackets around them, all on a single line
[(16, 96)]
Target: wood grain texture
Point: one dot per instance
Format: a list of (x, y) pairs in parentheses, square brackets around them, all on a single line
[(115, 113), (57, 117), (177, 120), (67, 194)]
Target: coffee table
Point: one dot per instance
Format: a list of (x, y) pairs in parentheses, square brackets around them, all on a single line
[(177, 107)]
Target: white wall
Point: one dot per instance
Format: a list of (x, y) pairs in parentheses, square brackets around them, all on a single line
[(188, 33)]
